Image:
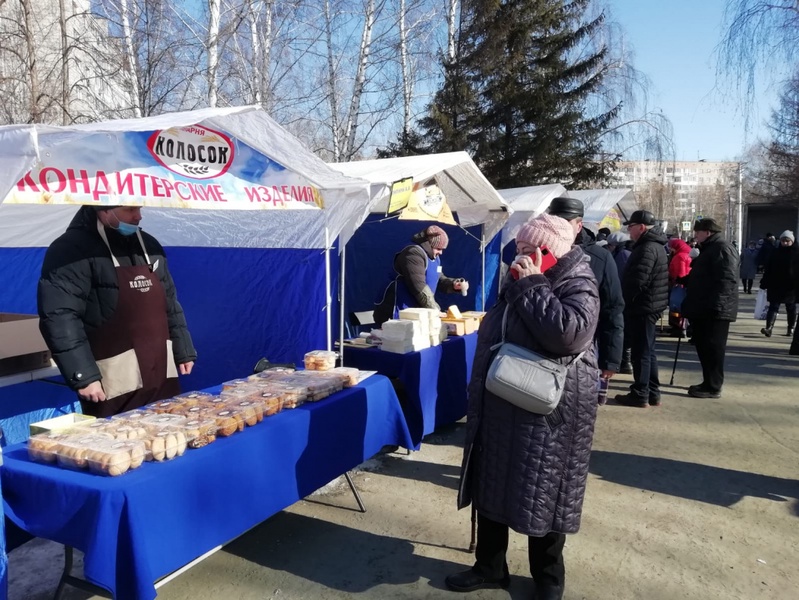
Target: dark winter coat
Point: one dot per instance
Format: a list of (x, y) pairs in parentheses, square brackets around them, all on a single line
[(645, 284), (78, 293), (712, 285), (525, 470), (765, 252), (610, 330), (749, 263), (410, 264), (778, 276), (621, 254)]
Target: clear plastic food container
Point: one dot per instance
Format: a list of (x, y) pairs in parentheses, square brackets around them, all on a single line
[(320, 360), (44, 446), (115, 457)]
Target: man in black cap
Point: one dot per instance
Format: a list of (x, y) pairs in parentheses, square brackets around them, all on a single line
[(711, 304), (109, 312), (645, 287), (610, 329)]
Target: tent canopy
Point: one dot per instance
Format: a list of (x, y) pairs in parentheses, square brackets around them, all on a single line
[(467, 191), (258, 141), (527, 202), (598, 203)]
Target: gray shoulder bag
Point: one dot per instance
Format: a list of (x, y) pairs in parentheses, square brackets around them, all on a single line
[(524, 378)]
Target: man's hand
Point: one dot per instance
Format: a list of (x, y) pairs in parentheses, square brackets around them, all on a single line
[(185, 368), (92, 392), (607, 374)]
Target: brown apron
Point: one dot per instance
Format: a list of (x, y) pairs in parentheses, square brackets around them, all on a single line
[(133, 349)]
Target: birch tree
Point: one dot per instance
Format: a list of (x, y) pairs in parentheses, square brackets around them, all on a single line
[(213, 49)]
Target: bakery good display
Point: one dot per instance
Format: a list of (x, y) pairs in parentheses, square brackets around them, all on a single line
[(320, 360)]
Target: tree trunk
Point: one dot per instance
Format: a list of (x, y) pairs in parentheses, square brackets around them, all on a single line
[(31, 66), (133, 69), (452, 29), (351, 129), (62, 21), (407, 81), (213, 50), (331, 83)]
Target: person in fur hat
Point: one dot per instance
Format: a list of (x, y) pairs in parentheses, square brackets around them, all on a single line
[(419, 276)]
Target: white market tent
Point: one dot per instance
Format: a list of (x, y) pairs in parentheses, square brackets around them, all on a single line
[(598, 203), (468, 193), (346, 200), (278, 277), (527, 202)]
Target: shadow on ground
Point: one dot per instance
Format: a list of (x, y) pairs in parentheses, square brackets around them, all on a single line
[(703, 483)]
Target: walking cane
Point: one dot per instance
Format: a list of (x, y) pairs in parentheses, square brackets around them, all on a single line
[(473, 542), (677, 353)]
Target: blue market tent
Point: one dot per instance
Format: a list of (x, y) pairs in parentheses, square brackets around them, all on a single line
[(477, 207)]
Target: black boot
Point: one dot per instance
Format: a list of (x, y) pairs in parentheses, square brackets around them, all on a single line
[(469, 581), (626, 367), (548, 592), (770, 319)]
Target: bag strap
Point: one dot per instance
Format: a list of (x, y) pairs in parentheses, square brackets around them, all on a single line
[(504, 330)]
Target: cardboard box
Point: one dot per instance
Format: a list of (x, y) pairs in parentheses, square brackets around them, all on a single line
[(22, 347), (59, 423), (459, 326), (474, 314)]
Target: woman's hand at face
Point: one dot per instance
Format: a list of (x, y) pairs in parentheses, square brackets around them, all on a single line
[(526, 266)]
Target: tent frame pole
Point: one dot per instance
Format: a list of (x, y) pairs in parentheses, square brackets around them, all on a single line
[(483, 267), (342, 272), (328, 299)]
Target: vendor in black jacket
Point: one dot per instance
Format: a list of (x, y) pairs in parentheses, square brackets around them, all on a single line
[(110, 315), (645, 286), (711, 304), (610, 329), (419, 276)]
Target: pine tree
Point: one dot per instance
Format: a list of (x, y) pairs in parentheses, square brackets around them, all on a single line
[(517, 95)]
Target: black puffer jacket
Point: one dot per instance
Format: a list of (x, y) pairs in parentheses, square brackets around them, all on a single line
[(778, 277), (645, 284), (712, 284), (524, 470), (610, 330), (78, 293)]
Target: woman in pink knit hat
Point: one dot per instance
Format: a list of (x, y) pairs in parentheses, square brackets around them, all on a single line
[(525, 471)]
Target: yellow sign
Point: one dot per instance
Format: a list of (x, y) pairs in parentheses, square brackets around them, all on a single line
[(400, 194), (427, 203), (612, 220)]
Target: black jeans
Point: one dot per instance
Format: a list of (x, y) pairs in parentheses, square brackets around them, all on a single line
[(545, 553), (774, 310), (710, 341), (645, 361), (748, 285)]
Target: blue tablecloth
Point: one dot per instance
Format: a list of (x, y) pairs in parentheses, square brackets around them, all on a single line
[(434, 380), (139, 527)]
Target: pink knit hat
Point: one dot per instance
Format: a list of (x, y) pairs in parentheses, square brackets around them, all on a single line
[(547, 230)]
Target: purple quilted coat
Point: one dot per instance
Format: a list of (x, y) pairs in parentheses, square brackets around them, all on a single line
[(525, 470)]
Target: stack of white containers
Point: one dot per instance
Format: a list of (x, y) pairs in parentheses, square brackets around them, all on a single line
[(430, 321), (402, 336)]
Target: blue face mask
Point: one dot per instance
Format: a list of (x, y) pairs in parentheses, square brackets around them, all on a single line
[(127, 228)]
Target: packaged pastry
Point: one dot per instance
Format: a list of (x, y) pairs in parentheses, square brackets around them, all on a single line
[(252, 409), (115, 458), (271, 400), (163, 406), (44, 446), (241, 392), (228, 421), (73, 452), (234, 383), (350, 375), (200, 432), (192, 398), (215, 402), (293, 395), (320, 360)]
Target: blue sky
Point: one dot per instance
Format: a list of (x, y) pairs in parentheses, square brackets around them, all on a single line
[(674, 43)]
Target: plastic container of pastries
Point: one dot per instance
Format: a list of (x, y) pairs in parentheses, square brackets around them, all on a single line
[(192, 398), (350, 375), (215, 402), (163, 406), (270, 399), (234, 383), (320, 360), (253, 409), (293, 395), (228, 420), (72, 453), (165, 445), (115, 457), (200, 431), (44, 446), (239, 393)]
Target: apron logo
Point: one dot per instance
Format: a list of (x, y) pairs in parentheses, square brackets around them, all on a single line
[(196, 151), (141, 283)]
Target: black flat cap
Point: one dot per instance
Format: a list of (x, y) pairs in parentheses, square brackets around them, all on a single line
[(641, 217), (707, 225), (566, 208)]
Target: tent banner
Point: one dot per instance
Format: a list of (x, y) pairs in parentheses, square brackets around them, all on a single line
[(401, 192), (193, 167), (428, 203)]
